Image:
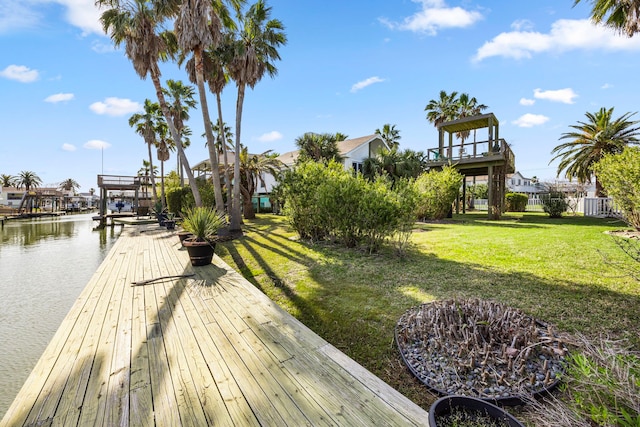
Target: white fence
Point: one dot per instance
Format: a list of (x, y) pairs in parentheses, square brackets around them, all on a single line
[(598, 206)]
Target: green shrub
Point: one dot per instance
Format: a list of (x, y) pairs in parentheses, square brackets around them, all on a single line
[(516, 202), (176, 197), (554, 203), (206, 194), (620, 176), (479, 191), (436, 192)]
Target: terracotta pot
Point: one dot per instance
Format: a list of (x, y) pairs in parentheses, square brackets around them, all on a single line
[(200, 253), (444, 406)]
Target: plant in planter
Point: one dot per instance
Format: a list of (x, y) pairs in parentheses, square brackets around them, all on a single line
[(203, 223), (170, 222), (160, 213), (465, 411)]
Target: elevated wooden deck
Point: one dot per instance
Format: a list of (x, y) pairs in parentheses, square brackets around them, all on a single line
[(205, 350)]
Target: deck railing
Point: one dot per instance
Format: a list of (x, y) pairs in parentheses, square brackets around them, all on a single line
[(472, 150)]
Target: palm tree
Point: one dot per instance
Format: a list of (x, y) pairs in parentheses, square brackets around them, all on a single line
[(467, 107), (181, 99), (6, 180), (198, 26), (442, 109), (394, 164), (254, 53), (621, 15), (224, 141), (253, 167), (28, 180), (147, 170), (145, 125), (137, 24), (591, 140), (319, 147), (69, 185), (390, 135)]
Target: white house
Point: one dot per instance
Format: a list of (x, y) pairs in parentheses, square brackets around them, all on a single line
[(531, 187)]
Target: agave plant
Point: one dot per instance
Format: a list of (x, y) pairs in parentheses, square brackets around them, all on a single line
[(203, 223)]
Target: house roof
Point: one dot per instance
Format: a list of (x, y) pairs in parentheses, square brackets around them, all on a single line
[(469, 123), (344, 147)]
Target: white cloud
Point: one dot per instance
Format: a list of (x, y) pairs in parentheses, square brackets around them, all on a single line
[(529, 120), (566, 96), (364, 83), (16, 14), (100, 47), (82, 14), (433, 16), (20, 73), (527, 102), (59, 97), (270, 136), (68, 147), (606, 86), (565, 34), (96, 144), (522, 24), (115, 107)]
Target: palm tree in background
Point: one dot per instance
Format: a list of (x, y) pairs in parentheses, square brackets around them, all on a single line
[(395, 164), (319, 147), (621, 15), (390, 135), (252, 170), (147, 170), (181, 99), (199, 26), (69, 184), (443, 109), (137, 24), (7, 180), (254, 54), (27, 180), (145, 125), (590, 140), (224, 141), (468, 106)]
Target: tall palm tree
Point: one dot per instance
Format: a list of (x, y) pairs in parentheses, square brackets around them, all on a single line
[(390, 135), (28, 180), (198, 26), (145, 125), (165, 143), (621, 15), (254, 53), (443, 109), (147, 170), (224, 141), (319, 147), (589, 141), (6, 180), (137, 24), (181, 99), (252, 169), (466, 107)]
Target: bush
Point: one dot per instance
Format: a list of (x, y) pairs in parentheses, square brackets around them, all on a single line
[(176, 197), (554, 203), (516, 202), (436, 192), (620, 176), (206, 194)]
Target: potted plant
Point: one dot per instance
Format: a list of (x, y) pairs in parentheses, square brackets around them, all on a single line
[(203, 223), (170, 222), (159, 212), (466, 411)]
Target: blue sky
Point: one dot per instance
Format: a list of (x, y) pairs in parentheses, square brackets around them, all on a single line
[(349, 66)]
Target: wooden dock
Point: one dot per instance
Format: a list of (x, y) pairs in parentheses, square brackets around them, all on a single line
[(210, 349)]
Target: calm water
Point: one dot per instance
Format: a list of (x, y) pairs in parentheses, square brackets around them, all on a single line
[(44, 265)]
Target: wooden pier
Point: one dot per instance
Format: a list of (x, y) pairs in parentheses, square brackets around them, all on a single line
[(209, 349)]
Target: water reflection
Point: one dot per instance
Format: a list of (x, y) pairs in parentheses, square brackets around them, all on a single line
[(44, 265)]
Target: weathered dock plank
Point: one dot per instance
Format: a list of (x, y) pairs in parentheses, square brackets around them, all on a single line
[(207, 350)]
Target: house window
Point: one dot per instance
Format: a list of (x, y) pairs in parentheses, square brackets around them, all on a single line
[(357, 167), (519, 182)]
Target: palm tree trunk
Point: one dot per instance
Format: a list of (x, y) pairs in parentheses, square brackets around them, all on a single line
[(235, 206), (249, 212), (153, 182), (213, 152), (155, 77), (223, 136), (162, 195)]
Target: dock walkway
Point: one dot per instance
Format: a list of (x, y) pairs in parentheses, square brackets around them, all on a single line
[(210, 349)]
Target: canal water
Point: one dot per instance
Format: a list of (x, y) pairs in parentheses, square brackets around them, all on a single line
[(44, 265)]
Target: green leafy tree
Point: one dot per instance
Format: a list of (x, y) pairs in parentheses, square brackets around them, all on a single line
[(145, 125), (437, 189), (138, 25), (620, 176), (443, 109), (390, 135), (589, 141), (621, 15), (254, 53)]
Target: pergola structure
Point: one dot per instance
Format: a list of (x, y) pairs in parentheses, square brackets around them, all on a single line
[(107, 183), (491, 157)]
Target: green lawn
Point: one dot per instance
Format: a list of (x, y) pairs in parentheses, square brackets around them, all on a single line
[(558, 270)]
